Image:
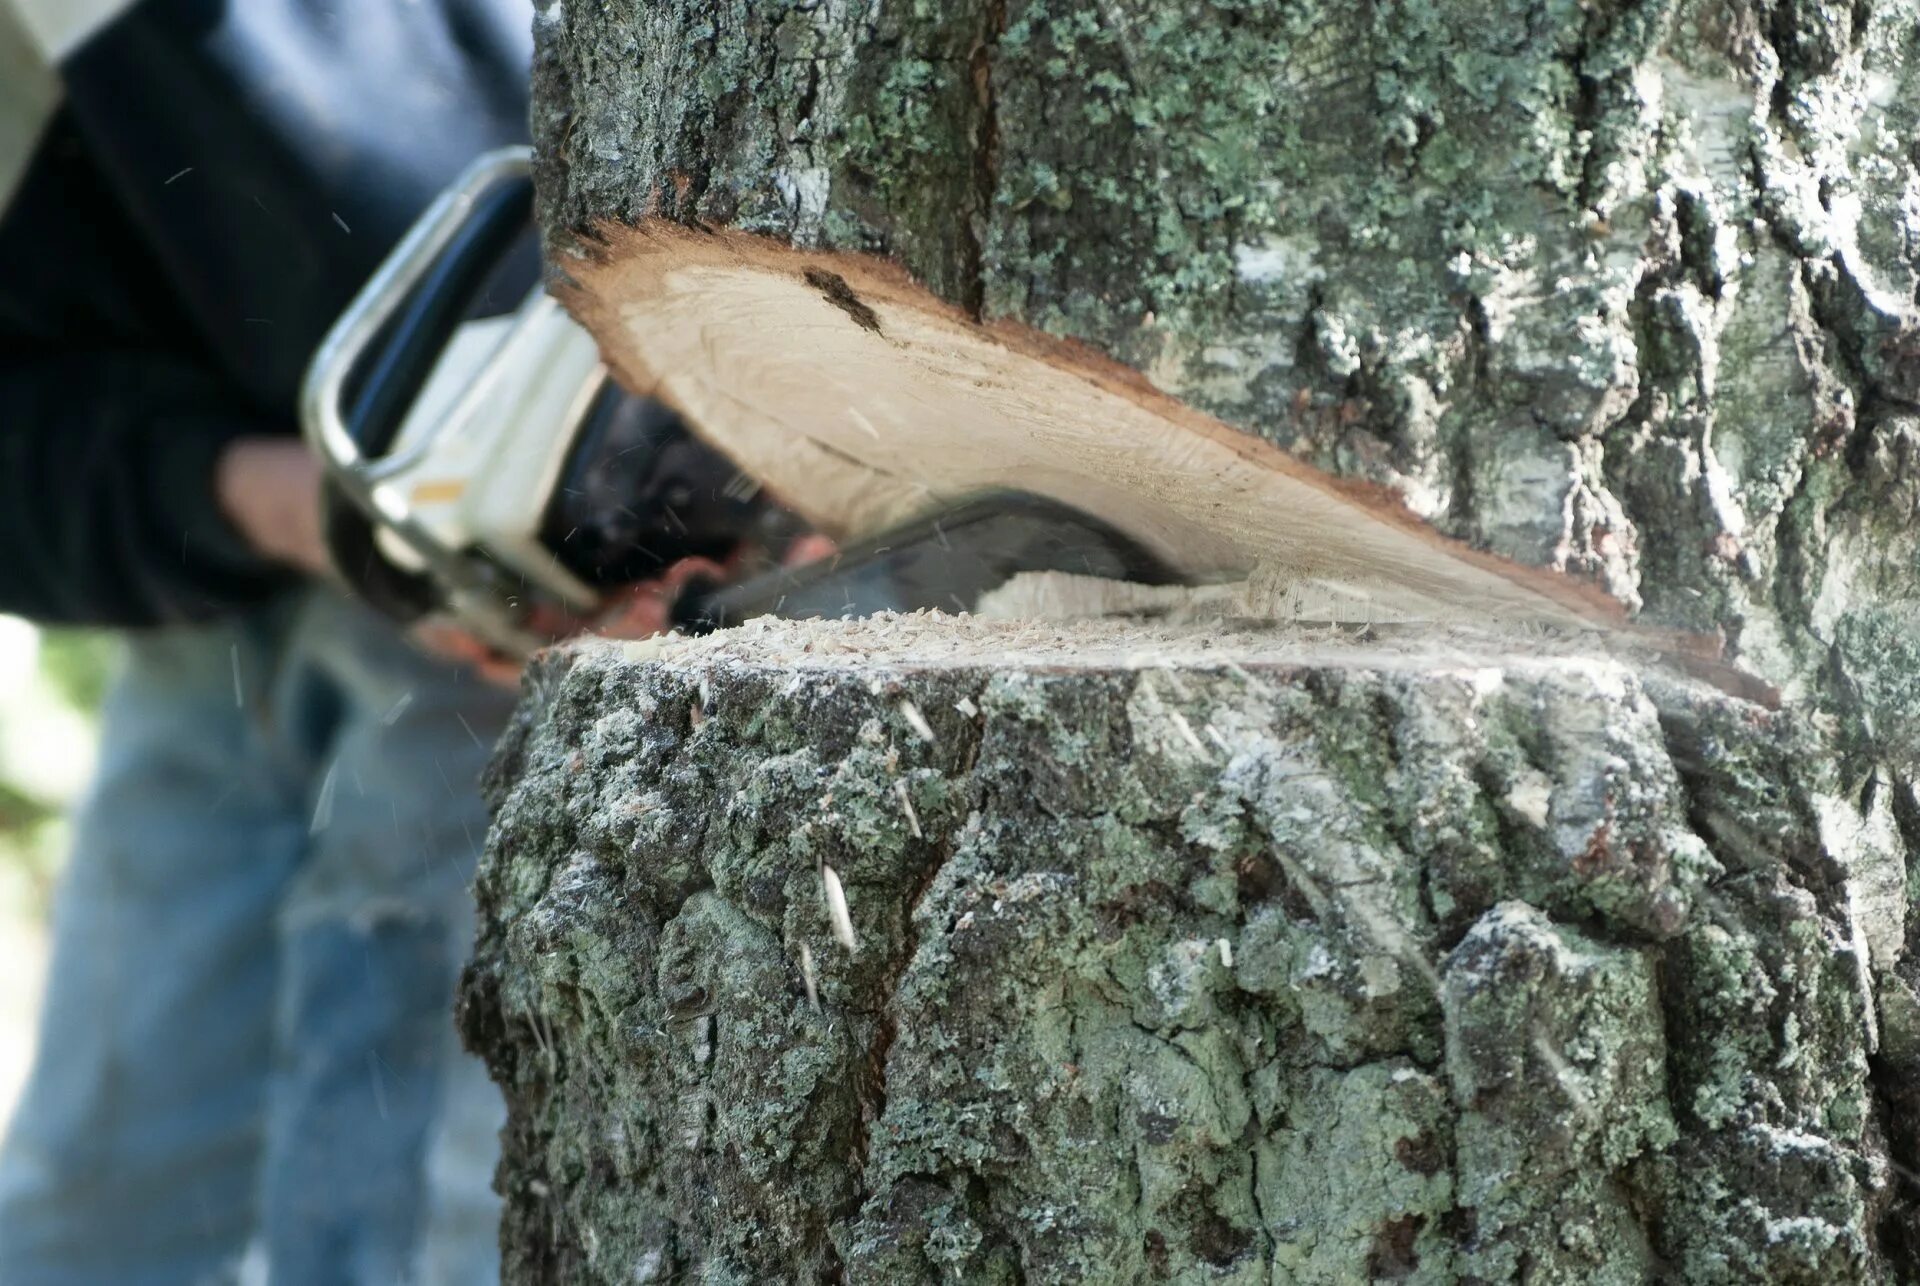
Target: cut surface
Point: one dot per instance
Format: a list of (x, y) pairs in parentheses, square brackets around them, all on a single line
[(864, 401), (931, 641)]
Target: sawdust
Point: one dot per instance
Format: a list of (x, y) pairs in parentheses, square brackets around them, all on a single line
[(1055, 620), (1271, 593), (937, 640)]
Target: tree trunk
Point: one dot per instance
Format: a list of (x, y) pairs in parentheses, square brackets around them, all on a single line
[(1537, 966), (1275, 956)]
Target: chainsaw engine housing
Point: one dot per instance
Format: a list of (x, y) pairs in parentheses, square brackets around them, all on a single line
[(480, 466)]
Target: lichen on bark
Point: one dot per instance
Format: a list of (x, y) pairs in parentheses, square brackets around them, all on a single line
[(1180, 956)]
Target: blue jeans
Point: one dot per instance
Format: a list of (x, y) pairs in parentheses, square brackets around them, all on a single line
[(247, 1050)]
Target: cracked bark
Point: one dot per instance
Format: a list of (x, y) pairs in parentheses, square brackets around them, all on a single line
[(1222, 954), (1627, 290)]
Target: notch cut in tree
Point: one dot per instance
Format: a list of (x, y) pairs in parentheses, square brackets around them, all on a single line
[(1626, 296), (867, 401)]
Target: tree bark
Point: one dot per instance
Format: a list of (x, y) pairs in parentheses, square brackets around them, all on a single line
[(1550, 967), (1180, 955)]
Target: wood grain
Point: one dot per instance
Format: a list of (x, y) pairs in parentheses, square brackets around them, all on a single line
[(862, 401)]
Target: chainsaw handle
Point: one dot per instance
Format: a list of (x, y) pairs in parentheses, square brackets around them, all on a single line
[(354, 398), (382, 384), (352, 404)]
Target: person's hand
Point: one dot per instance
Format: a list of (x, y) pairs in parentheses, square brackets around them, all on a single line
[(646, 609), (448, 642), (638, 611), (269, 489)]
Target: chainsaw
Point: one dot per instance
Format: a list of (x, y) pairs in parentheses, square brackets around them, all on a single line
[(482, 466)]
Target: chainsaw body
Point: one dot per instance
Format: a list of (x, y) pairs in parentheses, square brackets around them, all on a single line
[(481, 464), (459, 467)]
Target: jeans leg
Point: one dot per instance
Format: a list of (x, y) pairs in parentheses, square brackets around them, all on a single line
[(460, 1241), (373, 936), (133, 1154)]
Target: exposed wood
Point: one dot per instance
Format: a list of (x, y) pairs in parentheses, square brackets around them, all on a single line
[(863, 400)]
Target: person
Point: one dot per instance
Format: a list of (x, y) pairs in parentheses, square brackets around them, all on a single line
[(247, 1054)]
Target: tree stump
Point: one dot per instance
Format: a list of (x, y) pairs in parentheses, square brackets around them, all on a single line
[(1180, 953)]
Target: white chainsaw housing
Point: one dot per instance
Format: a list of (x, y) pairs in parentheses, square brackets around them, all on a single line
[(481, 449)]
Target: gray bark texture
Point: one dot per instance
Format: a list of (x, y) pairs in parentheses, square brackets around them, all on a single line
[(1182, 957), (1537, 968)]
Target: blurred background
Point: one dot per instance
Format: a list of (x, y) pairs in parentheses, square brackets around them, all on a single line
[(51, 683)]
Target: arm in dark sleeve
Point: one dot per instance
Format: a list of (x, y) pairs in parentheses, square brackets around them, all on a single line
[(213, 185), (112, 416), (107, 508)]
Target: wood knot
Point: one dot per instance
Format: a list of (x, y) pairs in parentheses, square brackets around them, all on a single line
[(841, 296)]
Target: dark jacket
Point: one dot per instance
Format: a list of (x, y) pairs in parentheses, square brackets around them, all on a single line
[(208, 183)]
